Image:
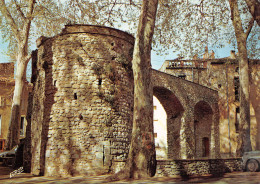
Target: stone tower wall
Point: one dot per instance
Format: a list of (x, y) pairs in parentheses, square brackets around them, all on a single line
[(83, 101)]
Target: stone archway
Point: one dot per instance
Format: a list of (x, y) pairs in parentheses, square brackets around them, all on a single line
[(203, 117), (174, 111)]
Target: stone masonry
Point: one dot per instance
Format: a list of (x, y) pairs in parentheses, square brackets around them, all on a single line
[(83, 101), (192, 115), (198, 167)]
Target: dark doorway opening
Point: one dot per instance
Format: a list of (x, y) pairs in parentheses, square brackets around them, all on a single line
[(205, 143)]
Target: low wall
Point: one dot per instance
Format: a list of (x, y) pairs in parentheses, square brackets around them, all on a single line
[(197, 167)]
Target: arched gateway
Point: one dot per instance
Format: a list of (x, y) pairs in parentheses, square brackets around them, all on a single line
[(188, 106), (82, 104)]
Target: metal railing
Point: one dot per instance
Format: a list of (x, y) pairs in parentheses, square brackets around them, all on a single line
[(187, 64)]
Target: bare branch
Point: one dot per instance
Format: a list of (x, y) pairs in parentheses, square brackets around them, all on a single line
[(250, 26), (236, 19), (254, 9), (10, 19), (27, 23), (19, 10), (110, 12), (53, 14), (27, 59), (31, 8)]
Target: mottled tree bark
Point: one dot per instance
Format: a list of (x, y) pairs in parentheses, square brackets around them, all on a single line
[(244, 142), (20, 78), (142, 157), (141, 161)]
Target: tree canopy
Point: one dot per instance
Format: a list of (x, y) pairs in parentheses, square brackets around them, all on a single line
[(182, 25), (46, 20)]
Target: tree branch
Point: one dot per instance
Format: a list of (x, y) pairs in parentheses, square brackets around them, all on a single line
[(250, 26), (10, 19), (31, 8), (254, 9), (27, 23), (110, 12), (236, 19), (27, 59), (19, 10)]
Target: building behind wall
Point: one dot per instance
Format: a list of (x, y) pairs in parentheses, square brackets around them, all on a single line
[(223, 75), (7, 83)]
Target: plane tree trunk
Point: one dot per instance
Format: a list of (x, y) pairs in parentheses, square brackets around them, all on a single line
[(142, 157), (141, 161), (20, 77), (244, 141)]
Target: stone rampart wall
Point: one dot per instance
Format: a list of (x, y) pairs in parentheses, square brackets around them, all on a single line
[(198, 167)]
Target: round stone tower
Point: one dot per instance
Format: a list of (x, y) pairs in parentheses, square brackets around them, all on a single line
[(82, 104)]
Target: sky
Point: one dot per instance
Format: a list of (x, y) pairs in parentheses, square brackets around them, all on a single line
[(3, 48)]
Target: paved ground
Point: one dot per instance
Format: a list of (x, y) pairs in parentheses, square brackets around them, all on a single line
[(230, 178)]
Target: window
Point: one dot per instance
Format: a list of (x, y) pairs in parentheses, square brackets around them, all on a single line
[(2, 101), (237, 69), (2, 144), (237, 119), (155, 135), (0, 125), (236, 88), (22, 104), (22, 126), (182, 76)]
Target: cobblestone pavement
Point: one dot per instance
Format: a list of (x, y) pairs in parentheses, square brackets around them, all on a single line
[(229, 178)]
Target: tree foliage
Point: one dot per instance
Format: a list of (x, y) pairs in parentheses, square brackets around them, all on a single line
[(46, 20), (182, 25), (187, 25)]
